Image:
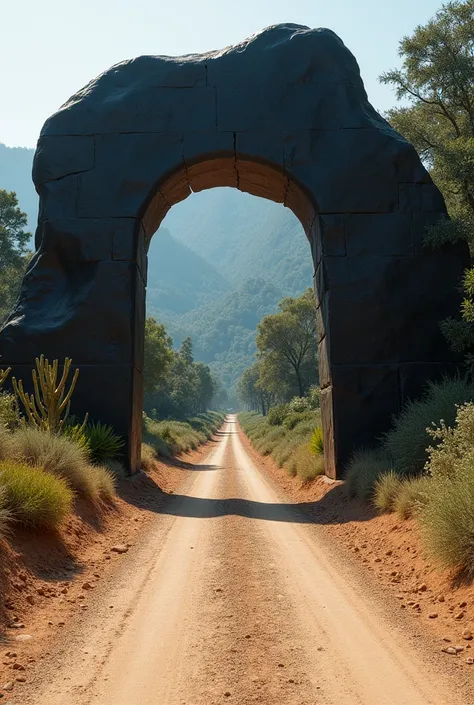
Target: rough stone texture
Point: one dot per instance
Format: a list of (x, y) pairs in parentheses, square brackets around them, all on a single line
[(283, 115)]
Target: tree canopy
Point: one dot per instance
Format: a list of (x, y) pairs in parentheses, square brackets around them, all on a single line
[(14, 255)]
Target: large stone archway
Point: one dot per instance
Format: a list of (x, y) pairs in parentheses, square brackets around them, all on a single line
[(284, 115)]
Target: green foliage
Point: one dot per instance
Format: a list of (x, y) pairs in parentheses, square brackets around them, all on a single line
[(5, 514), (386, 491), (453, 452), (13, 251), (6, 442), (365, 468), (288, 447), (57, 455), (408, 441), (287, 340), (103, 443), (447, 521), (148, 457), (305, 464), (8, 410), (447, 518), (412, 496), (158, 355), (294, 418), (316, 444), (35, 499), (277, 414), (106, 480), (168, 438), (187, 388)]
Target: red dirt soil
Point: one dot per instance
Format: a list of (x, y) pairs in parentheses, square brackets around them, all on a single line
[(45, 579), (391, 550)]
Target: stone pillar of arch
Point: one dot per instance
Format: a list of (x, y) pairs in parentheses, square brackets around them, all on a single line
[(283, 115)]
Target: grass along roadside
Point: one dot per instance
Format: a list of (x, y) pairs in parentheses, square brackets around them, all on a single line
[(169, 438), (292, 439)]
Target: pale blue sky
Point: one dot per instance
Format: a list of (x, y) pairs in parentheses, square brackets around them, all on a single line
[(51, 48)]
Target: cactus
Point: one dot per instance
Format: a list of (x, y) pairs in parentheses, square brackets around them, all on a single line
[(3, 375), (48, 407)]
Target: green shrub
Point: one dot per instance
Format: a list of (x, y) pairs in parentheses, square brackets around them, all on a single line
[(76, 431), (299, 405), (267, 443), (8, 410), (363, 471), (5, 514), (58, 455), (103, 443), (386, 491), (447, 521), (106, 481), (277, 414), (304, 464), (453, 451), (412, 496), (148, 456), (316, 444), (408, 441), (6, 443), (295, 418), (36, 499)]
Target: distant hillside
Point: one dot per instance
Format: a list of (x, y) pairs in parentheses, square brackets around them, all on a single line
[(244, 236), (178, 279), (223, 332), (221, 261)]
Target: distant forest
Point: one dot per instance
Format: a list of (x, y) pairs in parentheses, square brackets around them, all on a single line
[(220, 262)]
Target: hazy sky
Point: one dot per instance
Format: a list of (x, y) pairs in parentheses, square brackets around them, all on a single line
[(51, 48)]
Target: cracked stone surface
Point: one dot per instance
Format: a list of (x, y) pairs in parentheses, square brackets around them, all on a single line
[(284, 115)]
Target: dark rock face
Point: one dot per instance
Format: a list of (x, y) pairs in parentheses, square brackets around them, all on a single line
[(285, 116)]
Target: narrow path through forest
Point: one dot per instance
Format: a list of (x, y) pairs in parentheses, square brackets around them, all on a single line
[(234, 597)]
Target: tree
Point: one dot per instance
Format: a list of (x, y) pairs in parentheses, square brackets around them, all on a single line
[(288, 339), (206, 386), (249, 390), (158, 355), (13, 236), (14, 255), (186, 350), (437, 82)]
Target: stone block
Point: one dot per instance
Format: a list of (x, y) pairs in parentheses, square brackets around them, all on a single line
[(58, 156), (202, 146), (327, 421), (129, 170), (332, 230), (58, 199), (261, 145), (421, 197), (79, 240), (385, 234), (364, 400), (361, 168)]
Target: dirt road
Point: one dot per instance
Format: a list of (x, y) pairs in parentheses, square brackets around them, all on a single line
[(233, 597)]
